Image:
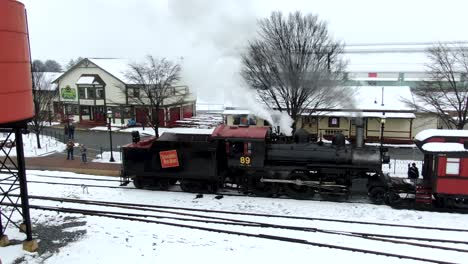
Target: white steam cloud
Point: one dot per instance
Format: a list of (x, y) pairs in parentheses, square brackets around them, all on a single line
[(215, 33)]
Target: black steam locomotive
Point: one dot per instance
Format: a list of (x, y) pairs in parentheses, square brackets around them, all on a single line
[(251, 159)]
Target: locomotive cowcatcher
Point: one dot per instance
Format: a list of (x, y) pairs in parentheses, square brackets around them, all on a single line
[(444, 180), (251, 159)]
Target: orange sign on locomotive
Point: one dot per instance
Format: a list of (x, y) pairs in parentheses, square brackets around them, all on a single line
[(169, 159)]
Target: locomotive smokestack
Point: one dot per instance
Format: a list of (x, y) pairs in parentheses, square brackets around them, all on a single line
[(359, 131)]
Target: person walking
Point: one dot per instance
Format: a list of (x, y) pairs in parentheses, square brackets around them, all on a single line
[(413, 172), (70, 146), (83, 153), (71, 132)]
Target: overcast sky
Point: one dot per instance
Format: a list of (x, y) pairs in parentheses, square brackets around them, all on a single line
[(116, 28), (209, 35)]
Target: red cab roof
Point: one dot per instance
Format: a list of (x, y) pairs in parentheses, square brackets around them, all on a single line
[(224, 131)]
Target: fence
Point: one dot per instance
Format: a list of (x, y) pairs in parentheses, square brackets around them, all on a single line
[(94, 151), (399, 168)]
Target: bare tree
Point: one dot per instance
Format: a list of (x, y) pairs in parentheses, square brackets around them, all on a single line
[(295, 65), (47, 66), (156, 80), (445, 93), (72, 62), (52, 66), (43, 98)]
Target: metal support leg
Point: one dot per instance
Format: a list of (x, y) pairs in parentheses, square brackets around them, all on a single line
[(23, 183)]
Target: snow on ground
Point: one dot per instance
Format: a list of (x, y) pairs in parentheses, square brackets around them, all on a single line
[(49, 145), (105, 240), (393, 145), (46, 123), (104, 128), (105, 157), (182, 130)]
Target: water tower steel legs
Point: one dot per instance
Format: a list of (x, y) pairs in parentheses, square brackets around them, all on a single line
[(13, 174), (23, 183)]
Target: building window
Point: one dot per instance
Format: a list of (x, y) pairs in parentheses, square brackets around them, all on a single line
[(236, 120), (100, 93), (453, 166), (91, 93), (133, 92), (252, 121), (87, 92), (128, 113), (82, 92), (333, 122), (72, 110), (244, 120), (84, 110)]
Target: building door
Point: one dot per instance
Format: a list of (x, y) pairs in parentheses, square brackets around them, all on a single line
[(58, 111), (175, 115), (188, 111), (141, 115), (98, 114), (161, 116)]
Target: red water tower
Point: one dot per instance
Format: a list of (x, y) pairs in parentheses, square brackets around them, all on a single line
[(16, 101), (16, 109)]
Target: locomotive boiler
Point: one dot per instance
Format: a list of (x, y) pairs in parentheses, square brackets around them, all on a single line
[(251, 159)]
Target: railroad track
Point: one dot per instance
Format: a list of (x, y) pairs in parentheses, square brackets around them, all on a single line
[(182, 216), (225, 191), (229, 192)]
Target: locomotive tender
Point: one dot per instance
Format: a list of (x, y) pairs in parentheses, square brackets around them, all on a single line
[(252, 159)]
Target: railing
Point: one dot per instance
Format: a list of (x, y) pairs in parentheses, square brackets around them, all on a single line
[(332, 132), (400, 167)]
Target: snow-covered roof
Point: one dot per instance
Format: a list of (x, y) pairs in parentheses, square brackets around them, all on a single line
[(365, 114), (444, 147), (370, 98), (425, 134), (87, 80), (116, 67), (367, 102), (48, 77), (236, 112), (209, 107)]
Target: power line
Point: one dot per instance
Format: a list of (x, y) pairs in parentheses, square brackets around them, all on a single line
[(406, 43)]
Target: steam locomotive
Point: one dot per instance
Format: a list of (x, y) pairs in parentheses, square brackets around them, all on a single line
[(252, 159)]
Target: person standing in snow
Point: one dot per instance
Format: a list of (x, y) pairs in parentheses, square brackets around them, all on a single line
[(413, 172), (83, 153), (71, 132), (70, 146)]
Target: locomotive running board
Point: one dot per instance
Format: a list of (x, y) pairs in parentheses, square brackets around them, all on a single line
[(299, 182)]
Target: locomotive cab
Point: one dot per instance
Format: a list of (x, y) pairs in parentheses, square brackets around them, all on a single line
[(244, 147)]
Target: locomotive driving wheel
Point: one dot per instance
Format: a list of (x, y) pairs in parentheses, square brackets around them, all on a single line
[(378, 195), (265, 189), (297, 190), (138, 182)]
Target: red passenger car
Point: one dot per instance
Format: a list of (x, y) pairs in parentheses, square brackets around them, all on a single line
[(445, 169)]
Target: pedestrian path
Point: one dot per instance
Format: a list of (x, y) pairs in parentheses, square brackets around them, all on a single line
[(58, 162)]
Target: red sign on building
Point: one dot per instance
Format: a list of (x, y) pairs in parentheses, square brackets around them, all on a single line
[(169, 159)]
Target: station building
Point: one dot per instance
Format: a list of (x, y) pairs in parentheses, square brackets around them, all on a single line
[(378, 108), (93, 86)]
